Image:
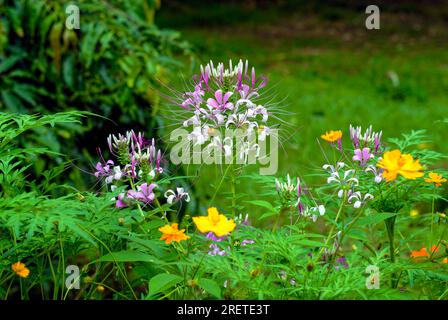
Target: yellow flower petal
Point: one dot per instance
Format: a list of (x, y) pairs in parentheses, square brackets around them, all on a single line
[(394, 163), (214, 222)]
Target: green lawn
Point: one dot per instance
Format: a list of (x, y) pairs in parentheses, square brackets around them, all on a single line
[(330, 74)]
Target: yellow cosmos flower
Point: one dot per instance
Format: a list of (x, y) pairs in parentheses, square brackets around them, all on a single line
[(214, 222), (20, 269), (172, 233), (332, 136), (435, 178), (394, 163)]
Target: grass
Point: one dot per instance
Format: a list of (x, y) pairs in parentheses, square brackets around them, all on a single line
[(331, 72)]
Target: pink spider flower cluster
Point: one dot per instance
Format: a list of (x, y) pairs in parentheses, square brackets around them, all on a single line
[(137, 165), (223, 98), (366, 146)]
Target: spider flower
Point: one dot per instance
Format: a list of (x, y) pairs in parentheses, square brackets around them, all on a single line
[(214, 222), (369, 138), (174, 196), (20, 269), (345, 180), (359, 199), (171, 233), (435, 178), (363, 156), (225, 98), (314, 212), (216, 251), (395, 163), (144, 193), (378, 173)]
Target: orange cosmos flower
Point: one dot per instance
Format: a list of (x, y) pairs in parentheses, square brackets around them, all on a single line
[(332, 136), (20, 269), (435, 178), (419, 253), (394, 163), (423, 252), (172, 233), (214, 222)]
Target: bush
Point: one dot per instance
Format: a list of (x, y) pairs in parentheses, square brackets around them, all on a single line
[(111, 66)]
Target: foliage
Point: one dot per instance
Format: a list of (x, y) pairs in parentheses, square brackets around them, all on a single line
[(111, 66)]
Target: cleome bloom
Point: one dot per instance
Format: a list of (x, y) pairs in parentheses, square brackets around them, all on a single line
[(20, 269), (435, 178), (332, 136), (172, 233), (395, 163), (214, 222)]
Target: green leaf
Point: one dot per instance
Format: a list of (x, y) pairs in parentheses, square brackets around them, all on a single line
[(211, 287), (128, 256), (162, 282), (262, 203), (375, 218), (310, 243), (8, 63), (267, 215)]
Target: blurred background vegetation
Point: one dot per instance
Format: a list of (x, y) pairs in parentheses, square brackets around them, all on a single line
[(111, 67), (328, 69), (324, 65)]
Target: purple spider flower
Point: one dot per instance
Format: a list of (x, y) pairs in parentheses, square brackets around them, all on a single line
[(363, 156), (193, 99), (214, 238), (120, 202), (377, 141), (221, 102), (215, 250), (245, 242), (342, 261), (144, 194), (103, 170)]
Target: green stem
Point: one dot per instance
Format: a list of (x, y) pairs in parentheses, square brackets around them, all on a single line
[(330, 234), (432, 218), (219, 185), (390, 228), (233, 190)]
